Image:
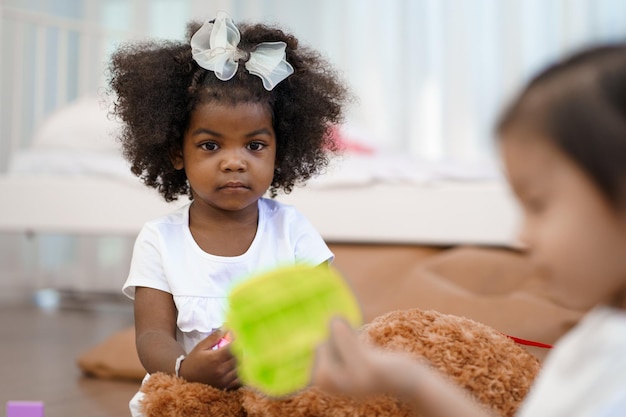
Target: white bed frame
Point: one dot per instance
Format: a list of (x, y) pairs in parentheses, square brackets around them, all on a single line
[(441, 213)]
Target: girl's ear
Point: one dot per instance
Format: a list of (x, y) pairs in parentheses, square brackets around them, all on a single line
[(176, 156)]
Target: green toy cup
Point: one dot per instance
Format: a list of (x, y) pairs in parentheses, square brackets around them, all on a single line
[(278, 318)]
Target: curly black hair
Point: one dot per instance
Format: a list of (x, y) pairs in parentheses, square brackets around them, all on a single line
[(156, 84)]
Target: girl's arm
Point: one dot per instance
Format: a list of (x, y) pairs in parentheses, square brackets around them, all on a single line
[(155, 330), (346, 365), (155, 327)]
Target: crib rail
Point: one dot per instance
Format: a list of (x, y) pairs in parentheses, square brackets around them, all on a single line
[(47, 61)]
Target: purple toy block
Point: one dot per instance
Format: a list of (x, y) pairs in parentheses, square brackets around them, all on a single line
[(25, 409)]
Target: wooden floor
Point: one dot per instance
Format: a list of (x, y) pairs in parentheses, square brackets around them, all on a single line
[(38, 351)]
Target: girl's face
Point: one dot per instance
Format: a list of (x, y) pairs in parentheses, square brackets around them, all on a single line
[(575, 237), (229, 154)]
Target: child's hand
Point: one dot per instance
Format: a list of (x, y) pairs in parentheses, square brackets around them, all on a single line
[(215, 367), (346, 365)]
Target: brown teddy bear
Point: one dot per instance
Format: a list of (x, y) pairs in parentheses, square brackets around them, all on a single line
[(490, 365)]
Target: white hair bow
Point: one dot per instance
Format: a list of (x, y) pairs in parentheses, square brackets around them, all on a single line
[(214, 47)]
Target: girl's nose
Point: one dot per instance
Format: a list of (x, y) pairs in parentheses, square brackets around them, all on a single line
[(233, 161)]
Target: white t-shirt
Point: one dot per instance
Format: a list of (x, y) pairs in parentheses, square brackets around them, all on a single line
[(585, 374), (167, 258)]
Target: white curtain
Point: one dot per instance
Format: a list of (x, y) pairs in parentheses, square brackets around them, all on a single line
[(430, 75)]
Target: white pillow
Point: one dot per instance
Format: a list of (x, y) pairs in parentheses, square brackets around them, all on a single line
[(83, 124)]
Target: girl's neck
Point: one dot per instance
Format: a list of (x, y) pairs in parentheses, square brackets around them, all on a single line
[(203, 213), (223, 233)]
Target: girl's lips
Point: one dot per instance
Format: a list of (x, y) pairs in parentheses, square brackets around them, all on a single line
[(233, 186)]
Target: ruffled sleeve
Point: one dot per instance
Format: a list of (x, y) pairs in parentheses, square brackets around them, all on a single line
[(198, 317), (146, 268)]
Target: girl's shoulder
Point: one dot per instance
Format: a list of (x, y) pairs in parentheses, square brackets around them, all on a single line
[(178, 216), (271, 210), (270, 206)]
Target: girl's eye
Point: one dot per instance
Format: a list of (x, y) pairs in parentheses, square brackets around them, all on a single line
[(209, 146), (256, 146)]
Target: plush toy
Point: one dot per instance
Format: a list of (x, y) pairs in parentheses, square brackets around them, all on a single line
[(492, 367)]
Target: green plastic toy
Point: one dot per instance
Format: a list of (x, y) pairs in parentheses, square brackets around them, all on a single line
[(277, 319)]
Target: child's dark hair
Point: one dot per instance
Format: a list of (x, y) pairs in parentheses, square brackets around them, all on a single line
[(157, 84), (579, 104)]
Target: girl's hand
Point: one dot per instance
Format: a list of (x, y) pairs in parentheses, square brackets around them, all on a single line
[(215, 367), (346, 365)]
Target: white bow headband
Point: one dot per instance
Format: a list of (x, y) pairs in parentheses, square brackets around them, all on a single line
[(214, 47)]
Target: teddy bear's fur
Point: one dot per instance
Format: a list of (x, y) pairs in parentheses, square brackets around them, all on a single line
[(489, 364)]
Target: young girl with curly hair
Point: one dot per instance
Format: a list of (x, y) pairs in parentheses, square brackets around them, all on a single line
[(223, 119), (563, 142)]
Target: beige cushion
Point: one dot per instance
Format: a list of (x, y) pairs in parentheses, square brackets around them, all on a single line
[(493, 286), (116, 357)]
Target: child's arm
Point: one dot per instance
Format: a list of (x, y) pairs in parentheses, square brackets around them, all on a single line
[(345, 365), (155, 327), (155, 330)]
